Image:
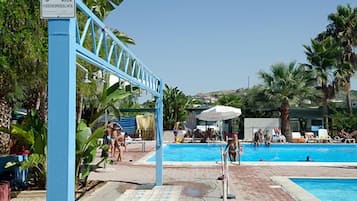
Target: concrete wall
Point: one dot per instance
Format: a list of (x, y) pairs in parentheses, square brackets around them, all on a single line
[(252, 125)]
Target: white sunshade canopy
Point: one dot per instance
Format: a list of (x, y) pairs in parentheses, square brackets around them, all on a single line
[(219, 113)]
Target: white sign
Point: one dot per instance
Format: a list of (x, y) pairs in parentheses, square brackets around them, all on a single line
[(58, 8)]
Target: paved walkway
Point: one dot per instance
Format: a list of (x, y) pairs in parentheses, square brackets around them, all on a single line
[(158, 193), (247, 182)]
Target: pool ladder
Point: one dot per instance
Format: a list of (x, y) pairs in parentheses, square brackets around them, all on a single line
[(225, 173)]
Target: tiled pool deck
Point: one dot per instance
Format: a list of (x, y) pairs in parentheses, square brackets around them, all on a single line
[(247, 182)]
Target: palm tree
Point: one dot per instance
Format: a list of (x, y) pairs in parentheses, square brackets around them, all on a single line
[(107, 100), (343, 73), (322, 59), (175, 103), (343, 28), (101, 8), (287, 82)]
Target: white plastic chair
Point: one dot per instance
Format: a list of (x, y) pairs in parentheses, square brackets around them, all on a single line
[(323, 135)]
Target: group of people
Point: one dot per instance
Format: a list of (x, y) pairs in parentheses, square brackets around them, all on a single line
[(260, 137), (114, 137), (205, 136)]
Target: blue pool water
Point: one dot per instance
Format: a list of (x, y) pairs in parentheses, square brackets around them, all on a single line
[(330, 189), (274, 153)]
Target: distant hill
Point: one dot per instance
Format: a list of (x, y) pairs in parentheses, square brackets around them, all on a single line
[(340, 97), (220, 93), (211, 97)]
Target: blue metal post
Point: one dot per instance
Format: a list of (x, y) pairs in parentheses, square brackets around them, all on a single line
[(159, 132), (61, 109)]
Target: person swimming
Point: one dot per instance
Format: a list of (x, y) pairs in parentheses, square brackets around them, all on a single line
[(308, 158)]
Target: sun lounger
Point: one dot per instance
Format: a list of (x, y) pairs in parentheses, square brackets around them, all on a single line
[(278, 138), (297, 138), (337, 139), (350, 140), (136, 141), (187, 139), (310, 137)]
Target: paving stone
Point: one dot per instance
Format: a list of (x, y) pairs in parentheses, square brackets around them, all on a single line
[(158, 193), (247, 182)]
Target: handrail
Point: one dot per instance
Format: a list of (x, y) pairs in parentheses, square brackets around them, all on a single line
[(225, 174)]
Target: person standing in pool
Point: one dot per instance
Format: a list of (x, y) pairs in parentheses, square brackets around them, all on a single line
[(175, 130), (257, 137), (308, 158), (233, 148), (267, 138)]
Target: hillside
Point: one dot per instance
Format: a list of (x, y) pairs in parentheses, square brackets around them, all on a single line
[(340, 97)]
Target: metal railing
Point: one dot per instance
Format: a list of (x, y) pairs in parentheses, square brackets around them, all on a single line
[(225, 173), (98, 45)]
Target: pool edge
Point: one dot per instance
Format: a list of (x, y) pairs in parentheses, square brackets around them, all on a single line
[(295, 191)]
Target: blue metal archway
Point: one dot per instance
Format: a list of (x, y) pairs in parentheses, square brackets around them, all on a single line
[(67, 40)]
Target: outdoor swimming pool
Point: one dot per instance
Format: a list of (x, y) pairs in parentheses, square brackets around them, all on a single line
[(274, 153), (329, 189)]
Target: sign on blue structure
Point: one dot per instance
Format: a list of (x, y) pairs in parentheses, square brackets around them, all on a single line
[(58, 9)]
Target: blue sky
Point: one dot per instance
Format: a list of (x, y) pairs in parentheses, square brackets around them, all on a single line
[(203, 45)]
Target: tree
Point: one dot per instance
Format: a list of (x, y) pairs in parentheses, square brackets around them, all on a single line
[(101, 8), (230, 100), (343, 29), (5, 109), (344, 121), (342, 75), (288, 83), (32, 134), (258, 105), (175, 104), (23, 46), (107, 100), (86, 150), (322, 57)]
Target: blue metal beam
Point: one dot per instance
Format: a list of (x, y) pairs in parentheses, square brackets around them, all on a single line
[(159, 132), (97, 61), (61, 109)]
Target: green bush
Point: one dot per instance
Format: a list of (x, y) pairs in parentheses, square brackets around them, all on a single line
[(345, 121)]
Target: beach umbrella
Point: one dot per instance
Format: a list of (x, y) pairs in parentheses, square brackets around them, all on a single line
[(219, 113)]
